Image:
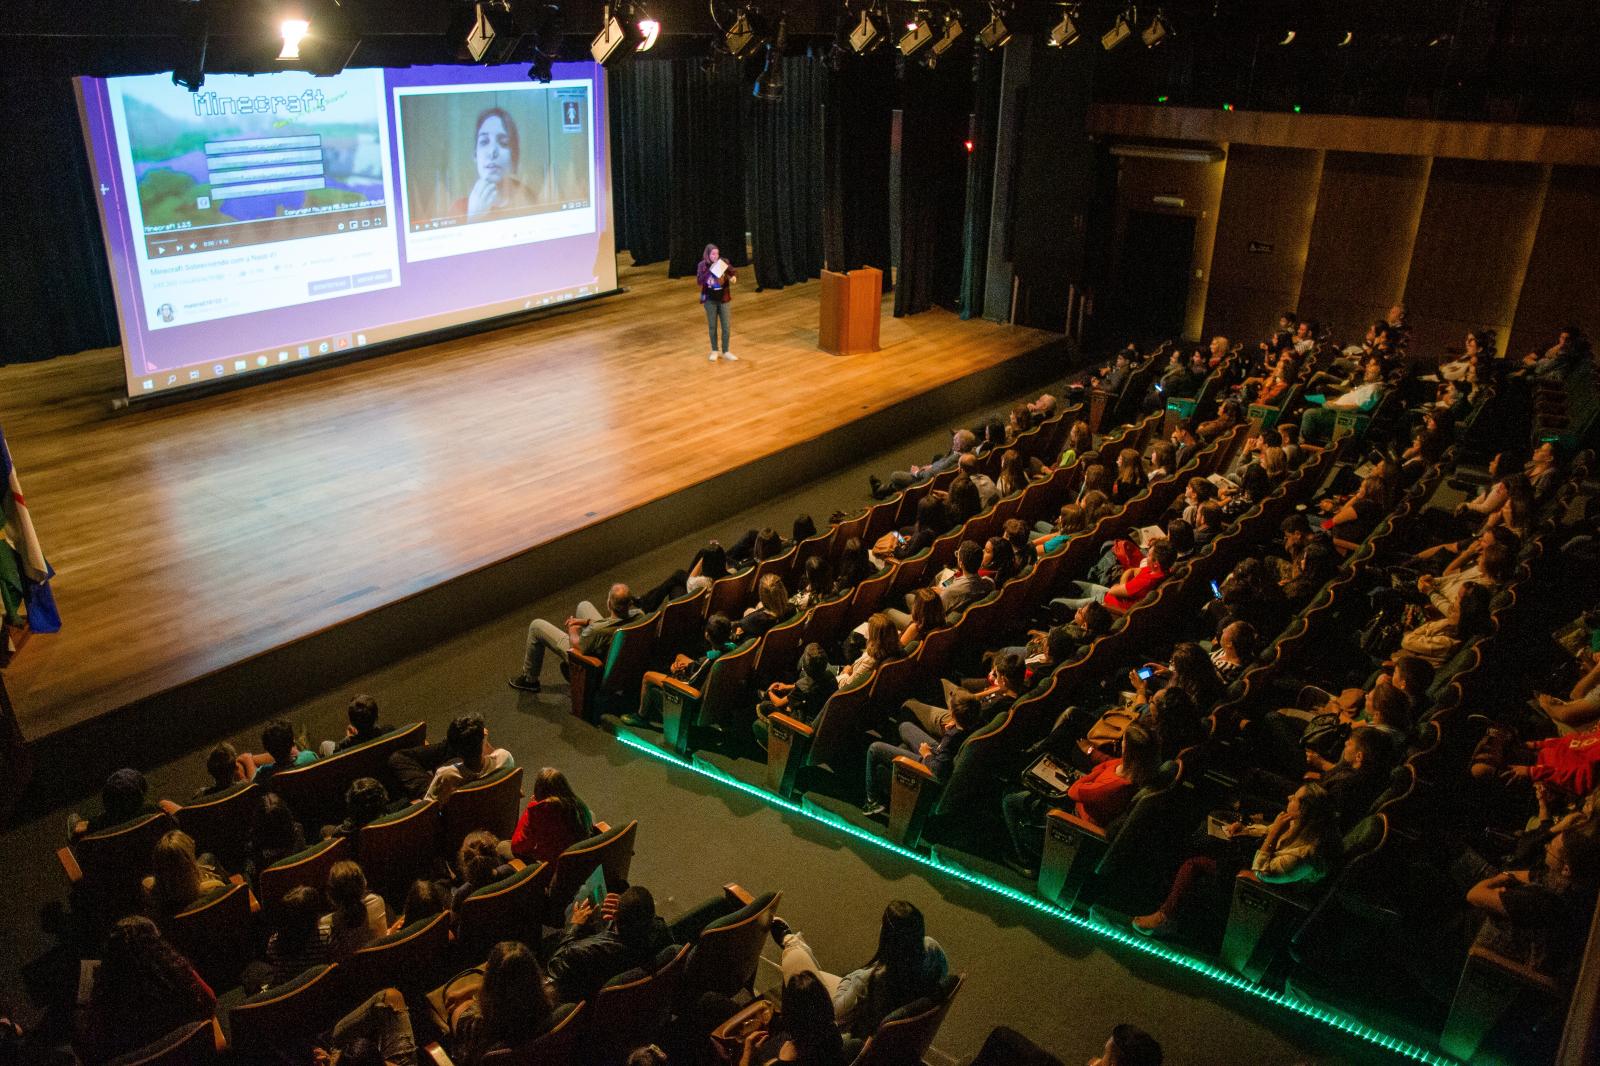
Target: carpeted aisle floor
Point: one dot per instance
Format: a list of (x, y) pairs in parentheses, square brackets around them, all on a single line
[(1025, 969)]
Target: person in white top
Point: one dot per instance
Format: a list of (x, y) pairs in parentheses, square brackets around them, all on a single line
[(358, 918), (471, 757)]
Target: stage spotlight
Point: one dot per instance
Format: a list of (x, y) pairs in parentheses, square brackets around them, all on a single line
[(769, 83), (1063, 33), (1288, 39), (868, 33), (294, 31), (1120, 31), (616, 39), (649, 30), (953, 32), (1156, 32), (995, 33), (741, 39), (918, 35), (492, 37), (1345, 42)]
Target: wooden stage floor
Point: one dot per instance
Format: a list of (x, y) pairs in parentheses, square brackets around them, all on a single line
[(195, 536)]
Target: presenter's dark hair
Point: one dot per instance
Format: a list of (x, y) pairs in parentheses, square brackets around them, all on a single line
[(511, 131)]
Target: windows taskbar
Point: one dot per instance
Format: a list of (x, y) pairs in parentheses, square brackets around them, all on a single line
[(256, 362)]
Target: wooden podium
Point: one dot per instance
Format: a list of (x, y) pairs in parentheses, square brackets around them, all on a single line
[(851, 306)]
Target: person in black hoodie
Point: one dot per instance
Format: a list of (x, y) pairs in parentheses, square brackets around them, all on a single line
[(593, 950)]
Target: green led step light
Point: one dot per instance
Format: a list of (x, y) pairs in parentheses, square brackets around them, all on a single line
[(1342, 1022)]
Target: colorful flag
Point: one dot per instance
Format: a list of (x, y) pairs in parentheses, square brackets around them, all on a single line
[(31, 567)]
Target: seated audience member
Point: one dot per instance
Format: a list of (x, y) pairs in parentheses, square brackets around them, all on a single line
[(364, 800), (856, 564), (1099, 797), (804, 1032), (510, 1008), (592, 950), (1570, 348), (1568, 762), (1316, 567), (1136, 584), (937, 754), (1360, 775), (1357, 517), (1236, 649), (1539, 915), (1230, 413), (283, 752), (479, 861), (996, 692), (759, 545), (176, 878), (1130, 479), (709, 564), (143, 990), (965, 587), (358, 917), (1301, 845), (274, 834), (988, 491), (471, 758), (423, 900), (772, 607), (1490, 565), (222, 765), (1436, 641), (588, 631), (814, 683), (1322, 412), (907, 966), (1544, 472), (1112, 378), (123, 798), (927, 526), (1096, 478), (299, 942), (1581, 708), (1128, 1046), (816, 584), (927, 614), (554, 819), (1079, 441), (961, 501), (1070, 521), (961, 441), (882, 645), (377, 1033), (363, 726), (1013, 473), (691, 670)]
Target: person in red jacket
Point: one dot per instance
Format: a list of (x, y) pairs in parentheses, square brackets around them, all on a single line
[(554, 820), (1102, 794), (1567, 762)]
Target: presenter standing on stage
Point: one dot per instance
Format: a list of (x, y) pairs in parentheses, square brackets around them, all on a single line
[(716, 289)]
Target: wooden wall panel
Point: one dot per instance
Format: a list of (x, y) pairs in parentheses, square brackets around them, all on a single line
[(1472, 249), (1361, 239), (1562, 283), (1268, 199), (1199, 186)]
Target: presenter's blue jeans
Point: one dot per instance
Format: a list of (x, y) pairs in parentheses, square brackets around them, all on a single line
[(718, 312)]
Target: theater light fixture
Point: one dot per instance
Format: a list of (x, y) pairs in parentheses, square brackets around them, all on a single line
[(1156, 32), (1120, 31), (649, 30), (995, 33), (491, 36), (953, 32), (616, 40), (918, 35), (1288, 39), (868, 33), (769, 83), (1345, 42), (741, 39), (1063, 33), (294, 31)]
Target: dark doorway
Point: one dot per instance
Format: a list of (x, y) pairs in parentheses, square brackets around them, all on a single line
[(1153, 274)]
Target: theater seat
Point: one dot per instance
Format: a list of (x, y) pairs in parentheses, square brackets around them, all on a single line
[(315, 792), (408, 959), (278, 1024), (601, 686), (612, 849), (903, 1037), (214, 934), (632, 1008), (194, 1044), (1491, 984), (400, 847), (687, 711), (560, 1046), (105, 868), (220, 824), (507, 909), (724, 950), (493, 803), (308, 867)]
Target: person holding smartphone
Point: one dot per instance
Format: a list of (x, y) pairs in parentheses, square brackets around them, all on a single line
[(716, 280)]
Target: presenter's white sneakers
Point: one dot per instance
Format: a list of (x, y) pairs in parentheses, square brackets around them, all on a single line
[(712, 357), (730, 357)]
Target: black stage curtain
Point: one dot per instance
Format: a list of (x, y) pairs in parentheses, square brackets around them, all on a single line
[(987, 66), (858, 117), (55, 287), (641, 140), (933, 173), (707, 164), (784, 178)]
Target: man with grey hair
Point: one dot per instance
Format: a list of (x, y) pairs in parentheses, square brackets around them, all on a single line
[(962, 440), (588, 630)]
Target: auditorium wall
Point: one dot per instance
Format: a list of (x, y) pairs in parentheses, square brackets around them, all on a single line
[(1505, 243)]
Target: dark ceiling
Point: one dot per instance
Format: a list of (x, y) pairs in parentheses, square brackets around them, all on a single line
[(1504, 60)]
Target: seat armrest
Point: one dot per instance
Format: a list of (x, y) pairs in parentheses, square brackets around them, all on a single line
[(794, 725), (602, 827), (69, 865), (1248, 879), (1082, 825), (1521, 972), (905, 762), (170, 807), (437, 1055), (515, 863), (738, 894), (579, 658), (678, 686)]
